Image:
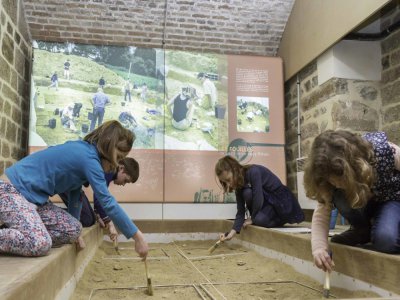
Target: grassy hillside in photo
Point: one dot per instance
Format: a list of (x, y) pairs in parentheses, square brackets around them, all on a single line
[(80, 88), (154, 128)]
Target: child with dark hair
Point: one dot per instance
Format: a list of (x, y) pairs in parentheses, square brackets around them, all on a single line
[(360, 176), (269, 201), (127, 172)]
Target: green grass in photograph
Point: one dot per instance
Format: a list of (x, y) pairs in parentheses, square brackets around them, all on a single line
[(83, 84)]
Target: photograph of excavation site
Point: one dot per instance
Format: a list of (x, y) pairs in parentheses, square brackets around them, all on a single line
[(199, 149)]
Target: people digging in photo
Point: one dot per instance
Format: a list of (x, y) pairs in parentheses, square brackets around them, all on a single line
[(269, 202), (360, 176), (127, 120), (209, 90), (67, 117), (54, 81), (182, 109), (34, 224), (127, 172)]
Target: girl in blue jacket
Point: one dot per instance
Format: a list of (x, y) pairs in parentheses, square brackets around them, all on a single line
[(269, 202), (33, 224)]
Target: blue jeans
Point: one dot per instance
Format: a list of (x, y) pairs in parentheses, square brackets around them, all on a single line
[(98, 114), (384, 217), (385, 234)]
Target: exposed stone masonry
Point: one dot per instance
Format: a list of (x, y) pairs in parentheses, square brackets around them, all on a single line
[(391, 85), (15, 67), (338, 103), (358, 106)]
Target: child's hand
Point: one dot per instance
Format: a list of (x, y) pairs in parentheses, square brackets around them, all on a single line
[(101, 222), (80, 243), (222, 237), (247, 222), (141, 246), (323, 260), (113, 233), (227, 236)]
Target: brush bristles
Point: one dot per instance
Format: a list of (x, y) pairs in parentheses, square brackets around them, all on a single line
[(211, 250), (149, 286), (326, 293), (215, 246)]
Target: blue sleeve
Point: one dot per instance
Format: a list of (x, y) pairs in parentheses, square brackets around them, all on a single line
[(240, 215), (97, 206), (95, 176)]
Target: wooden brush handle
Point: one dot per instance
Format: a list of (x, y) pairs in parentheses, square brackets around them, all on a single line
[(327, 280), (145, 266)]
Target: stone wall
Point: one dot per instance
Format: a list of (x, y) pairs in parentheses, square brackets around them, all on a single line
[(338, 103), (342, 103), (15, 68), (391, 86)]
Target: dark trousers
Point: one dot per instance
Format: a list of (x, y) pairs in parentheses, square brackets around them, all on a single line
[(360, 217), (98, 115), (268, 218), (88, 217)]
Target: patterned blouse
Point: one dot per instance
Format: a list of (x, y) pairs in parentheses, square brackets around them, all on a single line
[(387, 186)]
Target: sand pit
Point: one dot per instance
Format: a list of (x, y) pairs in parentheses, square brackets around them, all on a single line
[(185, 270)]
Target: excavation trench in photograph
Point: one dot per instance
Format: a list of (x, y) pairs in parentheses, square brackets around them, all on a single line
[(186, 270)]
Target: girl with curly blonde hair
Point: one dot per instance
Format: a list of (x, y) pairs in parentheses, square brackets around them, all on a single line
[(360, 176)]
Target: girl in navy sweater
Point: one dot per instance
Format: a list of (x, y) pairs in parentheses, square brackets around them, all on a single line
[(269, 202)]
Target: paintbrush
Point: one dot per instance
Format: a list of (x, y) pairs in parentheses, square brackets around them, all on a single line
[(116, 247), (149, 284), (327, 285), (216, 245), (213, 247)]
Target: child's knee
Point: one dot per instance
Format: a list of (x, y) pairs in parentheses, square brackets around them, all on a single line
[(386, 242), (76, 230), (40, 246)]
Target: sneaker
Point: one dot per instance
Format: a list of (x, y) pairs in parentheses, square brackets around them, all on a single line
[(353, 236)]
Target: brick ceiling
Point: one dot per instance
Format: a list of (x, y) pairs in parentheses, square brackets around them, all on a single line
[(222, 26)]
